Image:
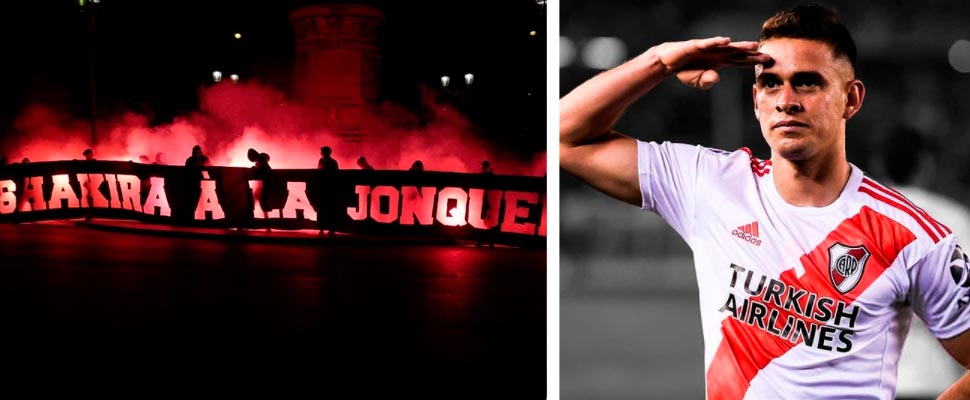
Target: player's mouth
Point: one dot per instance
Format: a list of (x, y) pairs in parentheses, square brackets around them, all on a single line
[(789, 125)]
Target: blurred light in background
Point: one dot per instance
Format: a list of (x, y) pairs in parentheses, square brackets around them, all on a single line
[(217, 76), (235, 78), (237, 35), (960, 56), (469, 78), (603, 52), (567, 52)]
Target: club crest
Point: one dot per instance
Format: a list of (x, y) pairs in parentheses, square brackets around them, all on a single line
[(959, 267), (846, 265)]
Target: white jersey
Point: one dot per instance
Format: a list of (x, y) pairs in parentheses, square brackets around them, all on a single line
[(803, 302)]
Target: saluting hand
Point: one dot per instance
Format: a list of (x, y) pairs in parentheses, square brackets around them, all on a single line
[(696, 61)]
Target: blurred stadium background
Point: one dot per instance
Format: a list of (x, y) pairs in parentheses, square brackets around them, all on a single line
[(630, 326)]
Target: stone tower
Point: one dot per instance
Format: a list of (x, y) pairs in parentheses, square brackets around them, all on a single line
[(337, 65)]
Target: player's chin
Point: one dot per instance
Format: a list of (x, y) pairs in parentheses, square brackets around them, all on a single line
[(793, 149)]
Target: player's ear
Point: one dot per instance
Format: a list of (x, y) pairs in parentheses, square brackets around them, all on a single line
[(853, 99)]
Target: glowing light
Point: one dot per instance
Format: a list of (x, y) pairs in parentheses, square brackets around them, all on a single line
[(960, 56), (445, 80), (567, 52), (217, 76), (234, 78), (469, 78), (532, 33), (8, 201), (451, 206), (237, 35), (604, 52)]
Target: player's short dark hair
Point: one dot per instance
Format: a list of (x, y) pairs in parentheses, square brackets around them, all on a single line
[(812, 22)]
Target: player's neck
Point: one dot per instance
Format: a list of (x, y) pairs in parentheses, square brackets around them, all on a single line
[(816, 182)]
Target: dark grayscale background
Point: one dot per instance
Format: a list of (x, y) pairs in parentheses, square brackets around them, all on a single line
[(630, 325)]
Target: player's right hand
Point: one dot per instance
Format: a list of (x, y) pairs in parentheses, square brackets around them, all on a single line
[(695, 62)]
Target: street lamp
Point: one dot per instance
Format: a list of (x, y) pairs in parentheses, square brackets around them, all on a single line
[(446, 83), (90, 11)]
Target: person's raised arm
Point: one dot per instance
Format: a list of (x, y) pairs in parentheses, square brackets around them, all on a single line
[(588, 147)]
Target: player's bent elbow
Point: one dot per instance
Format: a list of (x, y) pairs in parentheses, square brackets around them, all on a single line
[(568, 159)]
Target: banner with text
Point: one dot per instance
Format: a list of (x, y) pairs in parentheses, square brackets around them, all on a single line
[(489, 208)]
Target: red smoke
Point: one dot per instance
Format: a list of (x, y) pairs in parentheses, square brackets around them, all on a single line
[(235, 117), (43, 134)]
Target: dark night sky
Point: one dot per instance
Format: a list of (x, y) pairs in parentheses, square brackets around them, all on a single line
[(152, 56)]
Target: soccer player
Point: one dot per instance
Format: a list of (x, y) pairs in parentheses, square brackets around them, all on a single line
[(809, 271)]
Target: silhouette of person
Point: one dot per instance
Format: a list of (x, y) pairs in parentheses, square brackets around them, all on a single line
[(25, 161), (189, 183), (197, 159), (261, 171), (417, 178), (329, 189), (160, 159), (145, 177), (261, 167), (417, 166), (362, 163), (487, 207), (487, 168), (327, 162), (88, 156), (262, 163)]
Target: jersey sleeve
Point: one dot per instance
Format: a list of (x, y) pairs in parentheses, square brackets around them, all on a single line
[(940, 289), (668, 178)]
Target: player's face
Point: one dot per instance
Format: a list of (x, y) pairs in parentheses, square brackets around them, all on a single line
[(803, 97)]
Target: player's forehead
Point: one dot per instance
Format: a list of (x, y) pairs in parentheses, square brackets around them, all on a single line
[(791, 55)]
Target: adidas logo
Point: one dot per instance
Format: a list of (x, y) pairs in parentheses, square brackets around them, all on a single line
[(748, 233)]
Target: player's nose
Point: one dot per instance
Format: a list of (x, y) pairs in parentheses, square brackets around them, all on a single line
[(788, 101)]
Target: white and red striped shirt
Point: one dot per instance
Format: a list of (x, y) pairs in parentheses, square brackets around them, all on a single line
[(803, 302)]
